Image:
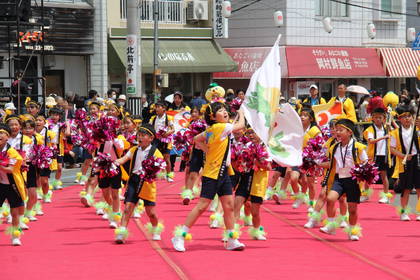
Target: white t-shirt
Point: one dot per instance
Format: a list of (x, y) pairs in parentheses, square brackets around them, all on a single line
[(406, 136), (380, 145), (343, 167), (141, 155), (160, 122)]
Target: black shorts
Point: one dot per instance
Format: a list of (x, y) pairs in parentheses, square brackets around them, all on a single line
[(31, 177), (162, 147), (132, 193), (60, 159), (196, 161), (234, 179), (244, 188), (86, 155), (411, 177), (113, 182), (282, 170), (12, 195), (44, 172), (211, 187), (347, 186), (380, 162)]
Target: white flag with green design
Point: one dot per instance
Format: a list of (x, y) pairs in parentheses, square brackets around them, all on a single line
[(279, 128)]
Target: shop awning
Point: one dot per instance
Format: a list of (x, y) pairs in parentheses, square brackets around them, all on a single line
[(400, 62), (175, 56), (248, 60), (333, 62)]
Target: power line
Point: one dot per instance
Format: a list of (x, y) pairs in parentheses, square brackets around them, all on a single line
[(245, 6), (373, 9)]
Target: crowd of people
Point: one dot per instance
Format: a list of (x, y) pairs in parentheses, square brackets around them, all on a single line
[(227, 166)]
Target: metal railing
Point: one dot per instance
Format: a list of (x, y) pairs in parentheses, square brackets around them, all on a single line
[(67, 1), (171, 12)]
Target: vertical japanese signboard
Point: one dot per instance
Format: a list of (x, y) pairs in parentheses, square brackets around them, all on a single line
[(131, 71), (220, 24)]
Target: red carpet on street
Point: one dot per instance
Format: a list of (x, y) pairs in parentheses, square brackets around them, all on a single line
[(72, 242)]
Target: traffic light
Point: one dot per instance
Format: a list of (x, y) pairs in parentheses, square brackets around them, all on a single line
[(8, 10)]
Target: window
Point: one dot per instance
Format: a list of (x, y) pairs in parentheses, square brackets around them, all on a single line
[(327, 8), (392, 6)]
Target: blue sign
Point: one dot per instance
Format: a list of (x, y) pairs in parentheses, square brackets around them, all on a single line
[(416, 43)]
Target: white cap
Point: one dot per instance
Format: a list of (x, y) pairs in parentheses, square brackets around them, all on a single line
[(9, 106), (122, 97), (313, 86)]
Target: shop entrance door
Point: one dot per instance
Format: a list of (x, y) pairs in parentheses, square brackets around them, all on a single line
[(55, 82)]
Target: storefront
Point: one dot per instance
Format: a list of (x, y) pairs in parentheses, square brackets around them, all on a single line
[(62, 51), (303, 66), (401, 66), (188, 63)]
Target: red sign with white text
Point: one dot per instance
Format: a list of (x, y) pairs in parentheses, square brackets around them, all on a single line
[(333, 62), (248, 60)]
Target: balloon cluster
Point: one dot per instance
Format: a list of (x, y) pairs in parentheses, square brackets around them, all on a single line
[(312, 155), (365, 172), (150, 167), (41, 156), (105, 166)]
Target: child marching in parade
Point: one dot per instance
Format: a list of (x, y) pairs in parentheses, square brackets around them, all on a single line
[(405, 145), (145, 161), (343, 157), (215, 142)]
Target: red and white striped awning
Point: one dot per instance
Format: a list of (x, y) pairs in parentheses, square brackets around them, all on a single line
[(400, 62)]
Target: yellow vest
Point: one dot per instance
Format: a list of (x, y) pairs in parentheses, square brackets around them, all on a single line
[(16, 173), (356, 151), (371, 148), (348, 109), (399, 167), (148, 190), (312, 132)]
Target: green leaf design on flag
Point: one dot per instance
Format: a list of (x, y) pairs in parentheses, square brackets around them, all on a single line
[(276, 146), (258, 102)]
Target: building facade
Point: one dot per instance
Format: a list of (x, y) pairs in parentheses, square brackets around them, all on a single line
[(312, 55)]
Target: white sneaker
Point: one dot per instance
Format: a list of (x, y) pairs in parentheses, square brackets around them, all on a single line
[(39, 212), (119, 239), (327, 230), (296, 204), (276, 198), (418, 218), (47, 200), (9, 219), (178, 243), (136, 215), (58, 187), (260, 237), (344, 224), (363, 198), (234, 245), (384, 200), (113, 224), (169, 179), (310, 209), (105, 216), (214, 224), (16, 241), (23, 226), (224, 239), (82, 183), (32, 218), (100, 211), (354, 238), (156, 237), (76, 180), (405, 217), (311, 223)]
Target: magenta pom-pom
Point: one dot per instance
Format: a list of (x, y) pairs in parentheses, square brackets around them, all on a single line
[(367, 172), (236, 104), (105, 166), (151, 166), (161, 135), (4, 159), (312, 155), (41, 156)]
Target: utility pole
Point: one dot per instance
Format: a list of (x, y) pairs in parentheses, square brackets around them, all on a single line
[(133, 71), (156, 71)]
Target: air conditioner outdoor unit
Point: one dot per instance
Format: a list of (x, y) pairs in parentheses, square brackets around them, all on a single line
[(198, 10)]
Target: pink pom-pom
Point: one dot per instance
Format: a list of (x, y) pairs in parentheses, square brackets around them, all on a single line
[(312, 154), (41, 156), (196, 127), (4, 159), (236, 104), (182, 139), (365, 172), (105, 166), (161, 135), (150, 167), (104, 129)]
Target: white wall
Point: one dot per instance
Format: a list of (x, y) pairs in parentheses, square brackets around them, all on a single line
[(75, 76)]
